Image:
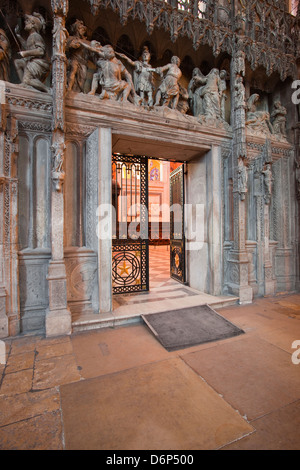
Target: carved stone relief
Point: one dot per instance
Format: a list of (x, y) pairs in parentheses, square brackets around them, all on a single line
[(5, 55), (33, 67)]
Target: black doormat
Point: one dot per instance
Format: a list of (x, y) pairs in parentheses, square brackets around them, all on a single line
[(178, 329)]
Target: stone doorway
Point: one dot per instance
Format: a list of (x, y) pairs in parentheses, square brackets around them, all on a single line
[(145, 245)]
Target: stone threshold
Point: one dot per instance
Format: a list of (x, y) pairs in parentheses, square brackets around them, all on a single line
[(131, 314)]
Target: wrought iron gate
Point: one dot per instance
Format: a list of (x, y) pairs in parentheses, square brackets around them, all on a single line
[(130, 249), (177, 237)]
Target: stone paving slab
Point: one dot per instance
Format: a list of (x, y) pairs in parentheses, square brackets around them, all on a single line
[(112, 350), (160, 406), (24, 406), (251, 374), (42, 432), (55, 371), (255, 377), (275, 431)]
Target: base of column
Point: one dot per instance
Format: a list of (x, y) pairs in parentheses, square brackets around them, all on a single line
[(58, 323), (58, 317), (245, 295)]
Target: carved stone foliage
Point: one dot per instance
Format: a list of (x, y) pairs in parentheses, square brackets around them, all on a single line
[(266, 32)]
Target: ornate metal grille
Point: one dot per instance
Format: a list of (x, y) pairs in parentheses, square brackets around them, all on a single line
[(177, 238), (130, 263)]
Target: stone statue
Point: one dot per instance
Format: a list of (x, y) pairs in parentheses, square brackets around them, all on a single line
[(58, 175), (183, 103), (258, 121), (239, 88), (222, 91), (144, 83), (211, 94), (242, 177), (5, 55), (34, 67), (60, 36), (195, 93), (268, 179), (239, 63), (278, 117), (168, 92), (112, 76), (77, 57)]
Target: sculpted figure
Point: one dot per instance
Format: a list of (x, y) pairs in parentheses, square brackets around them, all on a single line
[(183, 102), (77, 55), (239, 92), (242, 178), (60, 35), (257, 120), (211, 94), (222, 91), (144, 84), (279, 119), (5, 55), (115, 80), (168, 91), (33, 67), (195, 93), (268, 179)]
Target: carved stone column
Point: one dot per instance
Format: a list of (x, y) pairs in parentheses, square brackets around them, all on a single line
[(238, 260), (58, 318), (3, 293), (269, 281), (297, 188)]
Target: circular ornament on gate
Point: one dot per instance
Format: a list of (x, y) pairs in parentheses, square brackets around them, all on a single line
[(126, 268)]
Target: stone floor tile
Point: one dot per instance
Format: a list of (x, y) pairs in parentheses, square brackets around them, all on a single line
[(278, 430), (158, 406), (18, 362), (255, 377), (111, 350), (23, 344), (55, 371), (47, 350), (27, 405), (17, 382), (43, 432)]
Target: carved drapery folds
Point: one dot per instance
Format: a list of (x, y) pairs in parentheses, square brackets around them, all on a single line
[(33, 67)]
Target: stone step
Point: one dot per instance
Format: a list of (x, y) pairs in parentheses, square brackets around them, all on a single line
[(92, 321)]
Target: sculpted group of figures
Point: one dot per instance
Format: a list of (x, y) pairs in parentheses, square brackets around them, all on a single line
[(205, 96)]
